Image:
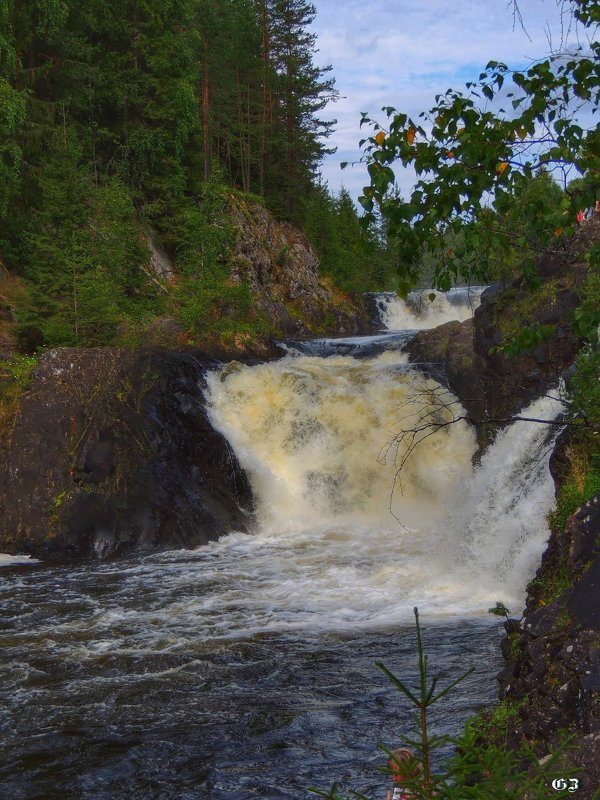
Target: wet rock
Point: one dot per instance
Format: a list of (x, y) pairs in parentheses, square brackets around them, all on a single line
[(542, 621), (448, 353), (491, 386), (113, 450), (583, 530), (584, 602)]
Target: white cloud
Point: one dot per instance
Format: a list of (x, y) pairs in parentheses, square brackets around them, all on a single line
[(403, 53)]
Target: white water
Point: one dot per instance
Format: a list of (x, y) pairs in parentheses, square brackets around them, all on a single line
[(327, 552), (427, 308), (13, 561)]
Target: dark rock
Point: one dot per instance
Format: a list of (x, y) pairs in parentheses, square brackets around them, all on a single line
[(512, 626), (583, 529), (584, 602), (587, 757), (448, 354), (373, 309), (542, 621), (537, 657), (112, 450), (506, 676)]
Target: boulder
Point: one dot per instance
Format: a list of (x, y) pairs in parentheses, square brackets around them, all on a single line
[(112, 450)]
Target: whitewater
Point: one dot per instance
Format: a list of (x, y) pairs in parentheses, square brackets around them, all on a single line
[(246, 666)]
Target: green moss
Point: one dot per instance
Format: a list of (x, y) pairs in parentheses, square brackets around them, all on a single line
[(15, 375), (493, 725), (582, 483), (515, 647), (17, 370), (516, 318), (546, 587)]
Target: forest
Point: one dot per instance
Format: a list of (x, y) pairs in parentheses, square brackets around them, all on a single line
[(123, 120)]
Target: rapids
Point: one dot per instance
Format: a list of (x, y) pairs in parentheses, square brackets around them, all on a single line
[(245, 667), (427, 308)]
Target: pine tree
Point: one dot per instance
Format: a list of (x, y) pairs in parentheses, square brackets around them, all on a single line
[(300, 92)]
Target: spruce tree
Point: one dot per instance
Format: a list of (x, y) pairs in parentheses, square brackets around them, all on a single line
[(301, 91)]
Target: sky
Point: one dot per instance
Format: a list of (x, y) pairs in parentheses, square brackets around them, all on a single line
[(401, 54)]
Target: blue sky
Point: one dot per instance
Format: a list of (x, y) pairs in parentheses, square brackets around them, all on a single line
[(402, 54)]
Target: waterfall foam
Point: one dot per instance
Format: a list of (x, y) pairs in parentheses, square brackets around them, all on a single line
[(427, 308), (312, 434)]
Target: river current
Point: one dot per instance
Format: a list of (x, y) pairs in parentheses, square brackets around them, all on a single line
[(245, 668)]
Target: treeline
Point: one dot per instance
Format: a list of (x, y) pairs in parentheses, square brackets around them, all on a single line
[(158, 91), (120, 114)]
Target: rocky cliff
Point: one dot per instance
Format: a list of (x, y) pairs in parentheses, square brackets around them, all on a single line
[(550, 687), (278, 263), (493, 385), (112, 449), (551, 681), (109, 449)]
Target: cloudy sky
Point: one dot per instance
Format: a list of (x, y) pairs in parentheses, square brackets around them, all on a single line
[(401, 53)]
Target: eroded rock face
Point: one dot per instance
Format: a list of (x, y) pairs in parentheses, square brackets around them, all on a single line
[(277, 261), (554, 671), (448, 353), (112, 450)]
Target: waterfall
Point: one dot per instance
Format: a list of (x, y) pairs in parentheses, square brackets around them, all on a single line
[(427, 308), (342, 541)]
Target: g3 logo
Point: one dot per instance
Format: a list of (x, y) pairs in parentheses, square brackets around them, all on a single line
[(570, 784)]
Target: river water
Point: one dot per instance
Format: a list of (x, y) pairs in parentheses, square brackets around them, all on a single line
[(246, 667)]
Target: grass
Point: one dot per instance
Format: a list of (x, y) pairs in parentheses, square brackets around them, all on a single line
[(547, 587), (15, 375), (582, 483)]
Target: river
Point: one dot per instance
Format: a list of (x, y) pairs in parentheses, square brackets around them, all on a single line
[(245, 668)]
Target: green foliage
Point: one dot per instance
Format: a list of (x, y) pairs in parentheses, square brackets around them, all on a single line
[(499, 610), (585, 385), (465, 154), (355, 256), (115, 115), (205, 298), (547, 586), (525, 339), (17, 370), (582, 483), (14, 379), (84, 258)]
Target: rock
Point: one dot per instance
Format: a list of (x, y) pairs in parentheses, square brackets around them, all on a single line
[(584, 602), (447, 353), (278, 263), (512, 383), (161, 265), (542, 621), (113, 450), (583, 529), (491, 386)]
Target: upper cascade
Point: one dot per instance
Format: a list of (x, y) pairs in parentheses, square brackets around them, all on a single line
[(427, 308)]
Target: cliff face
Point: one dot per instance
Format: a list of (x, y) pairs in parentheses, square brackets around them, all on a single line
[(552, 673), (112, 449), (277, 261), (491, 385)]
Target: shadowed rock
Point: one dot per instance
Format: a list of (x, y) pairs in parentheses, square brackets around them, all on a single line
[(113, 450)]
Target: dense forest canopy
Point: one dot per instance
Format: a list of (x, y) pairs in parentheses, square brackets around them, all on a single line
[(119, 118)]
